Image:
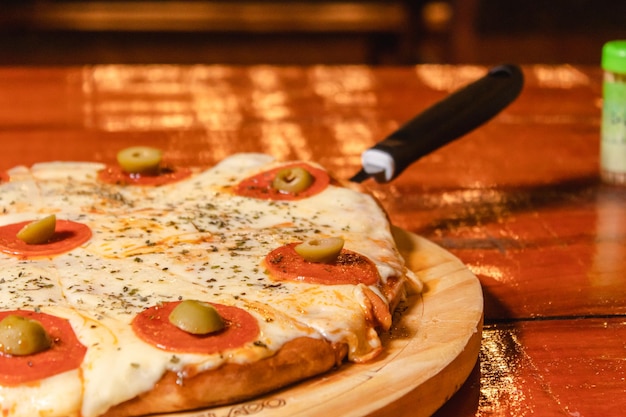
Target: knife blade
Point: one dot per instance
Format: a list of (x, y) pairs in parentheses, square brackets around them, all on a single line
[(449, 119)]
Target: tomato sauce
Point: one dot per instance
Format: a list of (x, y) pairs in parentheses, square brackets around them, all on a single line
[(285, 264), (67, 236), (153, 326), (116, 175), (4, 177), (65, 354), (260, 185)]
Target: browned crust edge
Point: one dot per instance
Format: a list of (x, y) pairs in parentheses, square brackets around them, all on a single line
[(297, 360)]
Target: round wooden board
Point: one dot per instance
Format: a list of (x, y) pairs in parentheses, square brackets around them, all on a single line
[(429, 353)]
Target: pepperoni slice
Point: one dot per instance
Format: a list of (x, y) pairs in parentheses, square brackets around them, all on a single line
[(4, 177), (260, 185), (116, 175), (153, 326), (284, 264), (67, 236), (65, 354)]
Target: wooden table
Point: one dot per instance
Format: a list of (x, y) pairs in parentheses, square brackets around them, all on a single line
[(519, 200)]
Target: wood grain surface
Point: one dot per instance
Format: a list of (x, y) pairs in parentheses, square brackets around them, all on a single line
[(519, 200)]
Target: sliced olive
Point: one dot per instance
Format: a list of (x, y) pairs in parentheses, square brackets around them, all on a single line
[(320, 250), (22, 336), (140, 160), (38, 232), (196, 317), (292, 180)]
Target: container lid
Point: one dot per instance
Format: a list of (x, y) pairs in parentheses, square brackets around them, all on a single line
[(614, 56)]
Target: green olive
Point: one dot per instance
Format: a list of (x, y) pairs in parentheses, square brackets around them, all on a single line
[(324, 250), (22, 336), (39, 231), (140, 160), (292, 180), (196, 317)]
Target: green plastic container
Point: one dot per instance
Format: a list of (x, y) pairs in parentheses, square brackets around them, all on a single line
[(613, 129)]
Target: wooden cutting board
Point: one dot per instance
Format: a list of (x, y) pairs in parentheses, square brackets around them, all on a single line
[(429, 353)]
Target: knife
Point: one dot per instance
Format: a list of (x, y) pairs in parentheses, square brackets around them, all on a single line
[(449, 119)]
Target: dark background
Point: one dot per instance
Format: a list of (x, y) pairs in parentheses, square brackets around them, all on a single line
[(280, 32)]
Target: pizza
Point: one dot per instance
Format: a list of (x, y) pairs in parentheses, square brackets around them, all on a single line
[(141, 287)]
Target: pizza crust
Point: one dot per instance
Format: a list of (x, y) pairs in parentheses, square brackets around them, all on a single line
[(297, 360)]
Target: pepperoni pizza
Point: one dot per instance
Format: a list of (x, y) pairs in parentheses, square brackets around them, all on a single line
[(133, 291)]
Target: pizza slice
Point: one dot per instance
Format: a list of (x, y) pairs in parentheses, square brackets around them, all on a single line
[(174, 289)]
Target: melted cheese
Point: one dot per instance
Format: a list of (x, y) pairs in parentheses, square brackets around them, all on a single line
[(191, 239)]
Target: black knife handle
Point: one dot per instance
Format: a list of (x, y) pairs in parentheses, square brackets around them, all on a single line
[(451, 118)]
